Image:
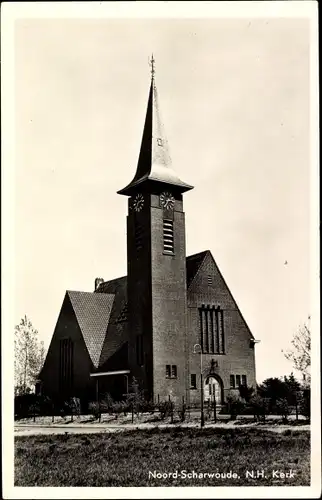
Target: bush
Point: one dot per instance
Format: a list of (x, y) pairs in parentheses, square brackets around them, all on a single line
[(165, 409), (282, 408), (260, 407), (235, 405), (29, 405), (246, 392), (94, 409), (182, 412)]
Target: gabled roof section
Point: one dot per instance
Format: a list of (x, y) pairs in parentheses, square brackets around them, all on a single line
[(92, 311), (197, 262), (193, 263), (154, 164)]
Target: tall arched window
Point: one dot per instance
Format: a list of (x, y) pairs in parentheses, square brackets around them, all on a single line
[(212, 335)]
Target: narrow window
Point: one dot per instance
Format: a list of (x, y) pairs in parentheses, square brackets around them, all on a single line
[(238, 380), (208, 329), (139, 350), (244, 380), (168, 245), (66, 365), (232, 381), (168, 371), (174, 371), (138, 236), (193, 381)]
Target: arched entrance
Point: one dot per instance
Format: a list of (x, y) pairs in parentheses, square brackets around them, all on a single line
[(212, 389)]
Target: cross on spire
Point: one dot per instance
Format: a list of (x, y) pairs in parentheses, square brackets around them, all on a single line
[(152, 61)]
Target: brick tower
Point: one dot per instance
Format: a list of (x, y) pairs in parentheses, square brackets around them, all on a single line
[(156, 261)]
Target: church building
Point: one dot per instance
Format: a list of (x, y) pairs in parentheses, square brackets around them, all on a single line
[(171, 322)]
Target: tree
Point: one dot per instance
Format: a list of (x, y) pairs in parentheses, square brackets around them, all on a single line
[(293, 389), (29, 356), (300, 353), (273, 389), (246, 392)]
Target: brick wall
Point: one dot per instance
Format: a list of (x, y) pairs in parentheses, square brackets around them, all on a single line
[(67, 327), (169, 313), (239, 357)]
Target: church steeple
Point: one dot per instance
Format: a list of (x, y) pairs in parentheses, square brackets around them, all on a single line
[(154, 164)]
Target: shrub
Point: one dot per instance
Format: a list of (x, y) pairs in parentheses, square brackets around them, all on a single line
[(182, 412), (282, 408), (235, 405), (260, 406), (94, 409), (246, 392), (165, 409)]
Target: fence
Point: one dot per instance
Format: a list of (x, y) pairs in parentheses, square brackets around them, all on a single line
[(37, 406)]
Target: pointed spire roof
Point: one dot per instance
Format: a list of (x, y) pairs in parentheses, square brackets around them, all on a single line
[(154, 164)]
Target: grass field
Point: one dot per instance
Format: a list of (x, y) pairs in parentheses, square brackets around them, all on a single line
[(126, 458)]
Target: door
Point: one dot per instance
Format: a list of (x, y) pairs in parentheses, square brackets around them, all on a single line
[(212, 389)]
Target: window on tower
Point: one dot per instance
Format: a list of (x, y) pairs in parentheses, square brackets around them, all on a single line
[(212, 335), (138, 236), (193, 381), (171, 371), (168, 246)]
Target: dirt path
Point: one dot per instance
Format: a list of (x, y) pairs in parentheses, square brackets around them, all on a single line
[(74, 428)]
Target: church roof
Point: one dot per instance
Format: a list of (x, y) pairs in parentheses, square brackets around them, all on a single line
[(154, 164), (104, 311), (93, 312), (107, 306), (193, 263)]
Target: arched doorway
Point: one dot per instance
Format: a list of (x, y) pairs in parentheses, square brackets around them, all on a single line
[(212, 389)]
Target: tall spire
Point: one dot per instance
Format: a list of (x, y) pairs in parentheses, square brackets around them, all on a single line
[(154, 164)]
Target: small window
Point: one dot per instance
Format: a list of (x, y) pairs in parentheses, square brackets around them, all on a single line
[(168, 245), (168, 371), (238, 380), (193, 381), (244, 380), (209, 280), (138, 236), (174, 371), (232, 381)]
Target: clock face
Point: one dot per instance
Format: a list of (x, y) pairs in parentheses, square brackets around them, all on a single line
[(167, 200), (138, 202)]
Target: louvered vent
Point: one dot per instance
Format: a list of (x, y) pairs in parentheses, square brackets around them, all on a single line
[(123, 314), (138, 236), (168, 236)]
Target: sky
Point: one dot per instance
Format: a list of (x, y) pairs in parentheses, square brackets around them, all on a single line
[(234, 95)]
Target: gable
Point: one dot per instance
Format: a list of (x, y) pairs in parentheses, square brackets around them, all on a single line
[(209, 286), (92, 311), (67, 326)]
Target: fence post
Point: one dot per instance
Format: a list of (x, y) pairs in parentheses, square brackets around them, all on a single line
[(53, 413), (132, 410), (296, 408), (215, 411)]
